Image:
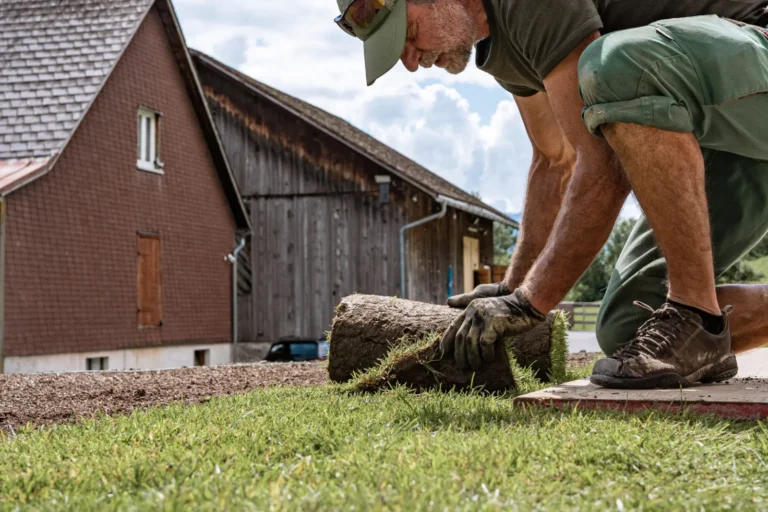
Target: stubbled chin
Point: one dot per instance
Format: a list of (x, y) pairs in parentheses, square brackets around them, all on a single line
[(455, 68), (453, 62)]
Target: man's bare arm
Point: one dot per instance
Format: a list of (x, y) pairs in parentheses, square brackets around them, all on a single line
[(548, 177), (592, 203)]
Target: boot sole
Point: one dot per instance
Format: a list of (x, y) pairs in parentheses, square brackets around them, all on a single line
[(718, 372), (724, 370)]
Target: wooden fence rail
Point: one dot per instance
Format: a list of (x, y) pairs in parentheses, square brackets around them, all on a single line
[(582, 316)]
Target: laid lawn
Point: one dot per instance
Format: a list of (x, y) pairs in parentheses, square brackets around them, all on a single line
[(322, 449)]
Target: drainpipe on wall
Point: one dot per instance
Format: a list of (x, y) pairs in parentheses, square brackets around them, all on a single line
[(439, 215), (232, 258), (2, 284)]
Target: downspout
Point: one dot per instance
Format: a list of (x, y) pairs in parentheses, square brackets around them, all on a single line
[(2, 284), (232, 258), (412, 225)]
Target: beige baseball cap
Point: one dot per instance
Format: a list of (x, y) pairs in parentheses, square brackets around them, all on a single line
[(381, 25)]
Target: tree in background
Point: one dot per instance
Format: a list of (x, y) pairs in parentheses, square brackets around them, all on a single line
[(760, 250), (744, 271), (592, 285), (504, 240), (741, 272)]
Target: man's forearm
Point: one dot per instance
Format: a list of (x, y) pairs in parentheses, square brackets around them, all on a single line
[(591, 206), (547, 183)]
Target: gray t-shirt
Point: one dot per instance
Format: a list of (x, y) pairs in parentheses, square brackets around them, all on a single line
[(529, 38)]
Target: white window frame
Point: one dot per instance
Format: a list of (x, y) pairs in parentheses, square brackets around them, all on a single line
[(148, 144)]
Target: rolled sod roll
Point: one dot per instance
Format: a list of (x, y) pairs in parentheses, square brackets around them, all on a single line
[(377, 342)]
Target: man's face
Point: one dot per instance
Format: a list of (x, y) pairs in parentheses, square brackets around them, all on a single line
[(440, 33)]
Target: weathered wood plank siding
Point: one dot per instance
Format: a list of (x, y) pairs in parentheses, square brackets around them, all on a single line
[(438, 245), (320, 232)]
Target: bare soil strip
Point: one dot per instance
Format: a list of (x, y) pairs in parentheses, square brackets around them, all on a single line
[(45, 399), (582, 359)]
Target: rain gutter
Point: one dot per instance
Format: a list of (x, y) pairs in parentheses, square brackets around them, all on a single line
[(444, 203)]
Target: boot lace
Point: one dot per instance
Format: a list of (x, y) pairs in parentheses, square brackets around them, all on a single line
[(657, 333)]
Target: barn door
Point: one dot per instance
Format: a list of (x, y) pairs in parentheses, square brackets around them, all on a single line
[(471, 261)]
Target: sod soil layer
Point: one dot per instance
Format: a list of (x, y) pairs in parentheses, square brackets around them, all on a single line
[(47, 399)]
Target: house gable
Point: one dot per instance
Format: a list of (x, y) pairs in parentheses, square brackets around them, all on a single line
[(71, 258), (59, 57)]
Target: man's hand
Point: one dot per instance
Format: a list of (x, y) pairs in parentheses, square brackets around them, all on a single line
[(473, 336), (483, 291)]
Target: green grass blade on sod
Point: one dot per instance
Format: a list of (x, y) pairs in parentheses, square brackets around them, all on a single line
[(323, 449), (417, 363)]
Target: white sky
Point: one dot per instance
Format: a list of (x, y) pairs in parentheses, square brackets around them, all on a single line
[(463, 127)]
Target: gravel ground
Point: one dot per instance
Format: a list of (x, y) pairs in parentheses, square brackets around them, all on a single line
[(57, 398), (583, 358), (45, 399)]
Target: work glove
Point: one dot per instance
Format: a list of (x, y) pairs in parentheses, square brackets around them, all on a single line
[(474, 335), (481, 292)]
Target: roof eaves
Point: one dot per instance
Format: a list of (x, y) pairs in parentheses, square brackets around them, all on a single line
[(14, 174), (210, 62), (209, 129), (477, 210), (481, 211)]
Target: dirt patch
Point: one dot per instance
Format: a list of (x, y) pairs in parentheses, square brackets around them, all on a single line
[(421, 368), (583, 358), (58, 398), (46, 399)]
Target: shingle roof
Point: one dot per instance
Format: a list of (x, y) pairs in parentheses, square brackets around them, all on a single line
[(54, 57), (361, 141)]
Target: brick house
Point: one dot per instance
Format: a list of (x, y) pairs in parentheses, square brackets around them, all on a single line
[(117, 205)]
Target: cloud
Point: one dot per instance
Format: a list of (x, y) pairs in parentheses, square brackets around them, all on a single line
[(301, 49), (437, 127), (631, 209), (463, 127), (473, 138), (233, 51), (507, 158)]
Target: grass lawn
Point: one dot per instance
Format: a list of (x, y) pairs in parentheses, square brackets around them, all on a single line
[(321, 449), (760, 265)]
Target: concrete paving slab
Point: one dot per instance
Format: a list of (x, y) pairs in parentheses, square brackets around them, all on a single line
[(753, 364), (738, 398), (582, 341), (746, 396)]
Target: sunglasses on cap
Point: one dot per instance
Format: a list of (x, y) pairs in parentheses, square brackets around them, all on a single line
[(361, 15)]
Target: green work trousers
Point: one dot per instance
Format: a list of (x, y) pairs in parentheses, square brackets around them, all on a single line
[(704, 75)]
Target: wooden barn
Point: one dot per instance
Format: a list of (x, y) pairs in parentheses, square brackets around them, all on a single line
[(328, 205)]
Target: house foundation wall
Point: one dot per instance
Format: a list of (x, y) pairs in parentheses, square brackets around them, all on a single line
[(156, 358)]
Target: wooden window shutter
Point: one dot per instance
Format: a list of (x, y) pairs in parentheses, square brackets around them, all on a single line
[(150, 303)]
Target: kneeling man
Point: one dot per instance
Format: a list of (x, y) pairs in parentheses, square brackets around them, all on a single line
[(668, 99)]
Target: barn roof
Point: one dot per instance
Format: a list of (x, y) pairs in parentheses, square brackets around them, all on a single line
[(55, 57), (364, 144)]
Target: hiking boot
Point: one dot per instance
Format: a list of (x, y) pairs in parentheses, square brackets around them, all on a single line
[(670, 350)]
